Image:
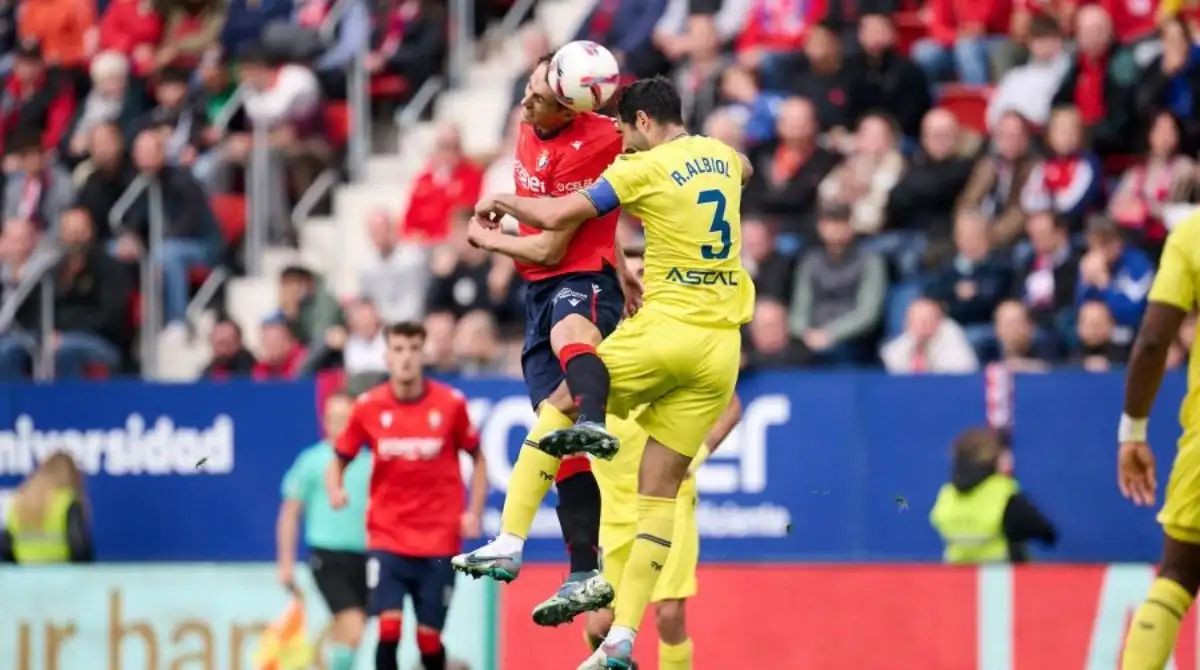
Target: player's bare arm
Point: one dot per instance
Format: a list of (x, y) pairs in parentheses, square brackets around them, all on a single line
[(747, 168), (631, 283), (1147, 365), (563, 213), (548, 248), (287, 534)]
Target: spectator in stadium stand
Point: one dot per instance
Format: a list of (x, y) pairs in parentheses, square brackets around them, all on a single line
[(673, 34), (924, 198), (192, 28), (357, 348), (700, 71), (1046, 276), (625, 27), (758, 108), (477, 344), (1094, 350), (1172, 82), (724, 125), (20, 256), (132, 28), (872, 168), (103, 178), (1069, 180), (230, 357), (839, 292), (994, 188), (1027, 90), (1167, 176), (931, 343), (773, 28), (179, 115), (91, 300), (282, 356), (411, 40), (111, 99), (837, 91), (351, 37), (535, 43), (306, 305), (1018, 347), (8, 35), (47, 519), (893, 82), (1100, 83), (974, 282), (190, 235), (1117, 274), (789, 170), (39, 191), (961, 35), (395, 278), (35, 97), (983, 501), (450, 182), (768, 342), (245, 21), (65, 29), (772, 271)]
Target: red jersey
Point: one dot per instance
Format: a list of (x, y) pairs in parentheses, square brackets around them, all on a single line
[(416, 499), (568, 161)]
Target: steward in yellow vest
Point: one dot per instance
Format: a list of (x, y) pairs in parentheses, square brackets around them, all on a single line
[(46, 523), (981, 513)]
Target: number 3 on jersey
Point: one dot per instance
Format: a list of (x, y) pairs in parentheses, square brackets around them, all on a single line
[(719, 226)]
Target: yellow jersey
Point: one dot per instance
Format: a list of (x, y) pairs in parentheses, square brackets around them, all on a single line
[(688, 195), (1175, 285)]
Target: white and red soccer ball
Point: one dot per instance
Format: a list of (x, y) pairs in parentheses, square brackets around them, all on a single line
[(584, 75)]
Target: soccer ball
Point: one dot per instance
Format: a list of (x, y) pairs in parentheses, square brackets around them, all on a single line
[(584, 75)]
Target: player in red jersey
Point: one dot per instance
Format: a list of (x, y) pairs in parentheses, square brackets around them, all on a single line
[(416, 516), (578, 288)]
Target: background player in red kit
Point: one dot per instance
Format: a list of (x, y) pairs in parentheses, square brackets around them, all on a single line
[(416, 516), (577, 291)]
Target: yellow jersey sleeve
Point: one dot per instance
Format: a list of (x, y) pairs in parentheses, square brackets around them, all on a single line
[(627, 176), (1175, 283)]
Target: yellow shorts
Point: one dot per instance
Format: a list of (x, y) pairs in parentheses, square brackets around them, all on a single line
[(678, 578), (1180, 514), (684, 374)]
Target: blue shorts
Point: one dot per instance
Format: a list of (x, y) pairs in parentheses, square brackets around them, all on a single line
[(595, 295), (429, 581)]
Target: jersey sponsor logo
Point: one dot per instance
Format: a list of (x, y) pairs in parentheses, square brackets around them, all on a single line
[(694, 277), (134, 448), (527, 181), (570, 295), (410, 448), (572, 186)]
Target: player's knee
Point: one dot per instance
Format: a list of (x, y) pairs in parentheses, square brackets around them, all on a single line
[(671, 620), (429, 640), (348, 627), (574, 329), (390, 625)]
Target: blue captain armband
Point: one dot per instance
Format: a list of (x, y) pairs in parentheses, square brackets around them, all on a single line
[(603, 196)]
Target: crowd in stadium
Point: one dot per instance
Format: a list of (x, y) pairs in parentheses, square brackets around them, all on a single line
[(936, 187)]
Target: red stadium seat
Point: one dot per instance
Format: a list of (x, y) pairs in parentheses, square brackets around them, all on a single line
[(388, 87), (230, 211), (337, 124), (909, 28), (968, 104)]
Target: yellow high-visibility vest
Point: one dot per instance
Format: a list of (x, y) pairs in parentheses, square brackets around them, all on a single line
[(47, 544), (972, 523)]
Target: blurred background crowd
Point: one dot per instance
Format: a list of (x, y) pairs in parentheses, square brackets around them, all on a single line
[(937, 187)]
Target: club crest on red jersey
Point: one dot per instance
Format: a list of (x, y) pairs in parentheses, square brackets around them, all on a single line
[(435, 419), (386, 419), (542, 161)]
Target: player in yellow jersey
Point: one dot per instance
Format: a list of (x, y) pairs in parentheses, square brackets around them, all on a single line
[(1152, 633), (678, 356)]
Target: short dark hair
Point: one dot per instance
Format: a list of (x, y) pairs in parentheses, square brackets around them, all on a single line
[(978, 445), (1101, 225), (175, 74), (1043, 26), (27, 140), (405, 329), (656, 97), (297, 272)]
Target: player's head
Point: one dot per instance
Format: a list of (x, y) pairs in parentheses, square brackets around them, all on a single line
[(405, 344), (649, 113), (540, 108), (336, 412)]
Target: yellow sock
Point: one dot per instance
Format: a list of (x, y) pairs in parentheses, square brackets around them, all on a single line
[(675, 656), (656, 525), (1155, 625), (532, 474)]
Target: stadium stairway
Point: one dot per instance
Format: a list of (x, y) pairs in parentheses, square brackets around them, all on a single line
[(337, 246)]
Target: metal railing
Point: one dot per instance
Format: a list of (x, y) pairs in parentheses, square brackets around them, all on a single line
[(150, 267), (38, 277), (512, 20), (462, 39)]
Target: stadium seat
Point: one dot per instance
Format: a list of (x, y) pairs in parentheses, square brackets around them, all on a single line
[(337, 124), (388, 87), (909, 28), (968, 104), (230, 211)]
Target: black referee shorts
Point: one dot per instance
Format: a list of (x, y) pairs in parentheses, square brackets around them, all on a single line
[(341, 577)]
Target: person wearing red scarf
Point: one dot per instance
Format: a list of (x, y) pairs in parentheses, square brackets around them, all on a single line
[(1069, 181)]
